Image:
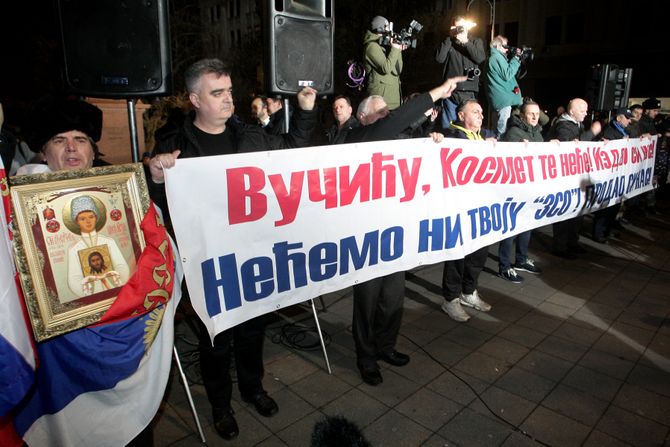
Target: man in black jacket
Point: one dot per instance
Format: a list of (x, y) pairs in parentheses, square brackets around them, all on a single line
[(460, 55), (651, 107), (524, 127), (215, 131), (604, 219), (570, 127), (378, 303), (344, 120)]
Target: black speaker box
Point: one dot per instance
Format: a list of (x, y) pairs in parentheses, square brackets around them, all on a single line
[(299, 49), (116, 48)]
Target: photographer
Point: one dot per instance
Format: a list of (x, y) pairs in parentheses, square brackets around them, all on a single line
[(461, 56), (502, 87), (383, 63)]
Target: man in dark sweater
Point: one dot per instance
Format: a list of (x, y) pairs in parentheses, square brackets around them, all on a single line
[(214, 130)]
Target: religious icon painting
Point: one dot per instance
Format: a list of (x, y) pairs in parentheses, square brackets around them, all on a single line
[(77, 240)]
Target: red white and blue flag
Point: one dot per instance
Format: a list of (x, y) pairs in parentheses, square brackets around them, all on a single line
[(100, 385), (17, 358)]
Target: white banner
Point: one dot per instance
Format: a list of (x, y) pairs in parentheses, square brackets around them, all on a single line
[(261, 231)]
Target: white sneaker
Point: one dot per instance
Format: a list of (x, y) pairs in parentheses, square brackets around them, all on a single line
[(454, 310), (473, 300)]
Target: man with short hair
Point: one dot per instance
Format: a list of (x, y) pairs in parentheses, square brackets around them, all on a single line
[(275, 107), (570, 127), (459, 277), (378, 303), (633, 128), (502, 87), (344, 120), (259, 110), (213, 132), (522, 128)]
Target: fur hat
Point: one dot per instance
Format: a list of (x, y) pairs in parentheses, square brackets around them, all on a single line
[(651, 104), (53, 116)]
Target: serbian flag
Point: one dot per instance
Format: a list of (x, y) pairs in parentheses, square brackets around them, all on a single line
[(17, 358), (102, 385)]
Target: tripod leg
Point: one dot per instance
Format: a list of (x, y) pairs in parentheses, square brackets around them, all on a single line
[(188, 394), (323, 345)]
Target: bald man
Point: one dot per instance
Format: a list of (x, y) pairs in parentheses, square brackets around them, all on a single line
[(570, 127)]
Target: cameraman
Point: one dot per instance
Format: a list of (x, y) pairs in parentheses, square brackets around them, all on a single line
[(502, 87), (461, 57), (383, 64)]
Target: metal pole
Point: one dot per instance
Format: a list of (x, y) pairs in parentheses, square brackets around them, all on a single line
[(132, 124), (286, 115), (318, 328), (188, 394), (492, 3)]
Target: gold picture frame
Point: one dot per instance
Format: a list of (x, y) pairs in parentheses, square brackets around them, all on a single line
[(77, 240)]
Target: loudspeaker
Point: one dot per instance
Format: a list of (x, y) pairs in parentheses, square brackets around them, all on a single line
[(613, 86), (299, 49), (115, 48)]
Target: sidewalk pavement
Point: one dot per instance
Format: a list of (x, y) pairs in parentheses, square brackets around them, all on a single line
[(579, 355)]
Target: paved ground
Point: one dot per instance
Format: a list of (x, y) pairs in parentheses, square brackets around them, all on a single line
[(579, 355)]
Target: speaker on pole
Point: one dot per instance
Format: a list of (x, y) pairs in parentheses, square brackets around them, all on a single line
[(612, 87), (116, 49), (299, 46)]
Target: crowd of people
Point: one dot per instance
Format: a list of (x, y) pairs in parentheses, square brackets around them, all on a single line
[(452, 109)]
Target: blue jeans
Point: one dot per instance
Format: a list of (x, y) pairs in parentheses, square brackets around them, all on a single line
[(505, 250), (502, 116)]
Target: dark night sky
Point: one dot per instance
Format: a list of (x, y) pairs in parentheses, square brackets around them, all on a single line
[(32, 57)]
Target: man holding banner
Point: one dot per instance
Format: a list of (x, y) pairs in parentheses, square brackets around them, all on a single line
[(459, 278), (378, 303), (213, 132), (570, 127)]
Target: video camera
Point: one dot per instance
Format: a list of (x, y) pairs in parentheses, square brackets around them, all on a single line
[(404, 37), (524, 53)]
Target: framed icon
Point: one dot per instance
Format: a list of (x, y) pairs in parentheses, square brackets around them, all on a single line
[(77, 240)]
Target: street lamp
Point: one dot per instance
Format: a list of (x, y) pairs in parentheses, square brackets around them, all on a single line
[(492, 4)]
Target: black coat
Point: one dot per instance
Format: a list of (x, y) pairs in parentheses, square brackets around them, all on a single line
[(390, 126)]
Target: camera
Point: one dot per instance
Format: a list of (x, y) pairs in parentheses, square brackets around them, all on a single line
[(523, 53), (472, 73), (404, 37)]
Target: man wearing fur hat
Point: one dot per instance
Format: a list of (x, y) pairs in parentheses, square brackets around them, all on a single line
[(651, 107), (65, 133)]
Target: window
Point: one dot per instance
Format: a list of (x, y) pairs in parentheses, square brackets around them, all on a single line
[(574, 28), (552, 30)]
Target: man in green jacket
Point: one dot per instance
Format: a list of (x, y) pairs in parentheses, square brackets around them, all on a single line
[(383, 64), (501, 85)]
